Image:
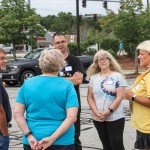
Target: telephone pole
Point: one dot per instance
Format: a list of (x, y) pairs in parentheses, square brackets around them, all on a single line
[(148, 5), (29, 3), (77, 26)]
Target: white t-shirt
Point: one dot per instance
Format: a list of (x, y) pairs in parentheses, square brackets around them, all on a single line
[(104, 93)]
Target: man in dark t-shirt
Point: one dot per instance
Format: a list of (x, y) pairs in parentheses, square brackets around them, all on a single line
[(74, 72), (5, 109)]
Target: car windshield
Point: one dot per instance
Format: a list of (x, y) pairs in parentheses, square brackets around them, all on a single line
[(33, 54)]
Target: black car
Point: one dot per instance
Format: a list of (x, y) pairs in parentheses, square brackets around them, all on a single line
[(20, 69)]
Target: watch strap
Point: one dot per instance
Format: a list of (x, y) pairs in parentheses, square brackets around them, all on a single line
[(29, 133)]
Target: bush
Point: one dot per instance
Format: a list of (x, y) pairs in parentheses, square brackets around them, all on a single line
[(110, 44), (73, 48), (130, 47)]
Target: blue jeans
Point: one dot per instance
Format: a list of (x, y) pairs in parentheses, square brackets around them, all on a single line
[(4, 142)]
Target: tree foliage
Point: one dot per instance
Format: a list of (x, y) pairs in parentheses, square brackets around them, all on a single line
[(131, 24), (110, 44), (19, 23), (62, 22)]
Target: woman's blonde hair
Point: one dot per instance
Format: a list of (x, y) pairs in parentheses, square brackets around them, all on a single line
[(51, 61), (94, 67)]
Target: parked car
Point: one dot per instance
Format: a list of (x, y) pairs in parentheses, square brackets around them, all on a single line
[(7, 48), (20, 69)]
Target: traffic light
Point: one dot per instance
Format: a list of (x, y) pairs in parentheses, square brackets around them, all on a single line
[(105, 4), (84, 3), (94, 17)]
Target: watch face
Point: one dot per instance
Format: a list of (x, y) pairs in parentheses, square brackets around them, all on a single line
[(111, 110), (133, 98)]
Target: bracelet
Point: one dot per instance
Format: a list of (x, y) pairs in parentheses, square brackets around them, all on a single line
[(29, 133)]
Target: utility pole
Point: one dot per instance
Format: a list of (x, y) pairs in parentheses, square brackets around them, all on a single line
[(29, 2), (77, 26), (148, 5)]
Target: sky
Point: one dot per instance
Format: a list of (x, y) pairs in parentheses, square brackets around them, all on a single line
[(53, 7)]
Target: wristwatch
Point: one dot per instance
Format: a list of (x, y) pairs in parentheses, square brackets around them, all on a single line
[(133, 98), (29, 133), (111, 110)]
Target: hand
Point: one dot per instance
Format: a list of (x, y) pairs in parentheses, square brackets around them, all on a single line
[(104, 114), (45, 143), (33, 142), (99, 116), (128, 94), (78, 78), (77, 74)]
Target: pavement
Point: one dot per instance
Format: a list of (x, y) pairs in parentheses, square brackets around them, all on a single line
[(89, 136)]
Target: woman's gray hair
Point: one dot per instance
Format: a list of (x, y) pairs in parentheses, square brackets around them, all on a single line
[(51, 61), (94, 67), (144, 46)]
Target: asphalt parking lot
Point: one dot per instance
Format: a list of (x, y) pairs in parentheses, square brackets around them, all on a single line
[(89, 137)]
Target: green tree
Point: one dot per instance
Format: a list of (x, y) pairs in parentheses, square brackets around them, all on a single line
[(48, 21), (64, 22), (19, 24), (129, 26)]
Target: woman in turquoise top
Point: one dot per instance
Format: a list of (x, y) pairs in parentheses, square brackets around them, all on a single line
[(51, 107)]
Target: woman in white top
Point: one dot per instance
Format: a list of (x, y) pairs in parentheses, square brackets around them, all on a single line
[(105, 93)]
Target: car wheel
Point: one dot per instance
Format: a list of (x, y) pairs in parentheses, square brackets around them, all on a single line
[(11, 83), (25, 75)]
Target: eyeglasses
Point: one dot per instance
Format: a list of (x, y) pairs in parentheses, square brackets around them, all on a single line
[(103, 59), (3, 58), (61, 42)]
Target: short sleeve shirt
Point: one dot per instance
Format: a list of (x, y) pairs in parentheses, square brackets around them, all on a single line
[(140, 116), (104, 93), (73, 65), (46, 100)]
